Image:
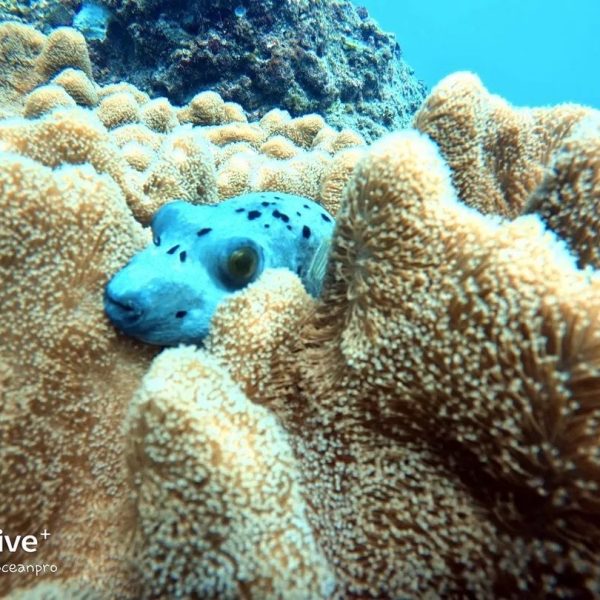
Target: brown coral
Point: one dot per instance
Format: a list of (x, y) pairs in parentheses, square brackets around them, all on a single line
[(65, 47), (138, 133), (280, 147), (336, 175), (68, 136), (275, 121), (302, 130), (235, 174), (44, 99), (20, 47), (138, 156), (568, 198), (123, 87), (203, 450), (118, 109), (205, 108), (433, 469), (184, 168), (486, 461), (29, 58), (498, 154), (159, 115), (62, 234), (78, 85), (234, 113), (236, 132), (299, 175)]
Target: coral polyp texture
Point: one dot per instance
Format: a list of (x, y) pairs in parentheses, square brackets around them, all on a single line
[(508, 160), (154, 151), (428, 427)]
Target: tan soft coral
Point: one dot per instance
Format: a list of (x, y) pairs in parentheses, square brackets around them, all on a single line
[(78, 85), (429, 427), (498, 154), (335, 176), (184, 169), (507, 432), (443, 402), (128, 115), (44, 99), (20, 46), (299, 175), (119, 109), (221, 514), (568, 198), (69, 136), (159, 115), (65, 47), (67, 376)]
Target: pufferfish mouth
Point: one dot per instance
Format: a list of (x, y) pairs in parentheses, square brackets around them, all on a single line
[(121, 311), (157, 330)]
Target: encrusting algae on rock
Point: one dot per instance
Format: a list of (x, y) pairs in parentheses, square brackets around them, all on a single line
[(428, 427)]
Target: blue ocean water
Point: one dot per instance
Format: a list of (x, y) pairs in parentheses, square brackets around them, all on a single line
[(532, 52)]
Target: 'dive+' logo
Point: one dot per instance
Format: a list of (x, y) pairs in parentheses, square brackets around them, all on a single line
[(27, 543)]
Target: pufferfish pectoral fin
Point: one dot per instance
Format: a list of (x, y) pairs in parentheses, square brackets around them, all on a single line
[(317, 268)]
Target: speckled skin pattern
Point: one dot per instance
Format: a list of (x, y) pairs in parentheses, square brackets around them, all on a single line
[(168, 292)]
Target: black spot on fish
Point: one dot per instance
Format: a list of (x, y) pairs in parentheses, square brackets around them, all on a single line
[(173, 249), (182, 256), (280, 215), (289, 227), (204, 231), (180, 314), (240, 209), (298, 214), (265, 203), (306, 232), (306, 206), (253, 214), (325, 218), (157, 240), (278, 197), (267, 226)]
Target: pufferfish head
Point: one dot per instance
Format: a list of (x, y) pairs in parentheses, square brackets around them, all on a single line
[(168, 292)]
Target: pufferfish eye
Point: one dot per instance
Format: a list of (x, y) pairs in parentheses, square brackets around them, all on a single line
[(242, 265)]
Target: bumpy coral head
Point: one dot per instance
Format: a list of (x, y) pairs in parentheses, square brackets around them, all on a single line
[(168, 292)]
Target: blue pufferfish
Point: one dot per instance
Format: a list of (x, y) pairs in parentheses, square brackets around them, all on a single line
[(168, 292)]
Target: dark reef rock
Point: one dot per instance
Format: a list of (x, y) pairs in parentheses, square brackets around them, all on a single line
[(42, 14), (324, 56)]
